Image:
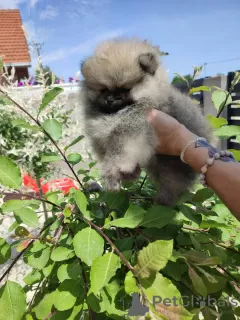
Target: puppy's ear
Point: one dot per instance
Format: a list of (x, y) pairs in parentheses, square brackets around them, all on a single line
[(148, 62)]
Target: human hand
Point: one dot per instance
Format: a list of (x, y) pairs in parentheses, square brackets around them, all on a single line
[(172, 136)]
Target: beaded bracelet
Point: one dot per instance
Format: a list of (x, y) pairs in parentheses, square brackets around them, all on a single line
[(213, 153)]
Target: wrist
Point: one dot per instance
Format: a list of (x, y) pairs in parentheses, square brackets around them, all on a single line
[(184, 137)]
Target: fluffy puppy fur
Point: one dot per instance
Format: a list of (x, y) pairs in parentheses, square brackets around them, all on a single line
[(122, 81)]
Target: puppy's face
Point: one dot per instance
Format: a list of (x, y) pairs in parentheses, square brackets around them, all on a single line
[(113, 73)]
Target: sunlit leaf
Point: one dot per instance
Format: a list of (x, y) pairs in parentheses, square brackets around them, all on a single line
[(216, 122), (227, 131), (50, 158), (12, 301), (88, 245), (53, 128), (5, 251), (49, 97), (131, 219), (10, 175), (103, 269), (75, 141), (153, 258), (74, 158), (62, 253), (28, 217), (201, 88)]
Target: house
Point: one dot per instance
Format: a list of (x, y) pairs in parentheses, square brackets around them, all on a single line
[(13, 45)]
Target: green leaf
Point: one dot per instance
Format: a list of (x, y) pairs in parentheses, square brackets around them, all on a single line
[(116, 201), (208, 223), (12, 301), (153, 258), (33, 277), (161, 287), (69, 271), (14, 205), (50, 158), (124, 244), (216, 122), (130, 283), (88, 245), (202, 195), (191, 214), (53, 128), (236, 154), (21, 232), (220, 98), (227, 131), (10, 175), (157, 217), (201, 88), (22, 123), (197, 282), (236, 103), (75, 141), (72, 314), (131, 219), (44, 307), (74, 158), (28, 217), (66, 294), (103, 269), (38, 255), (201, 258), (61, 254), (5, 251), (49, 97), (82, 203), (5, 101)]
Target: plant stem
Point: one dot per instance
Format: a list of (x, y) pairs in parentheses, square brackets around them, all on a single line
[(229, 274), (41, 195), (50, 314), (35, 198), (142, 184), (47, 134)]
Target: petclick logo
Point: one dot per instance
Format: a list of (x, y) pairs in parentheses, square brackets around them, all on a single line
[(187, 301)]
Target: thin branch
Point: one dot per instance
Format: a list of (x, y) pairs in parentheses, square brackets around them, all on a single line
[(35, 198), (139, 231), (50, 314), (142, 184), (41, 195), (22, 252), (231, 276), (195, 229), (47, 134)]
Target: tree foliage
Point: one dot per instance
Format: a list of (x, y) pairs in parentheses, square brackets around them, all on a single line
[(98, 250)]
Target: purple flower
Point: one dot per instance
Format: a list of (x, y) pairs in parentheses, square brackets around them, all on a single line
[(71, 79), (20, 84), (57, 81), (35, 83)]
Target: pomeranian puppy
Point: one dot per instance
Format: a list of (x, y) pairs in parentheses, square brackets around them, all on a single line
[(122, 81)]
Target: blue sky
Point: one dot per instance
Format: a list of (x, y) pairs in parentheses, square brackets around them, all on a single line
[(193, 32)]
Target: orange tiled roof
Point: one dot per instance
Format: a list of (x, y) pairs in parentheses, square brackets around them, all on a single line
[(13, 45)]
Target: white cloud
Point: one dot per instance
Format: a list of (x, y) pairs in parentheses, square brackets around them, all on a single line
[(32, 3), (10, 4), (89, 8), (83, 48), (49, 12), (14, 4)]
